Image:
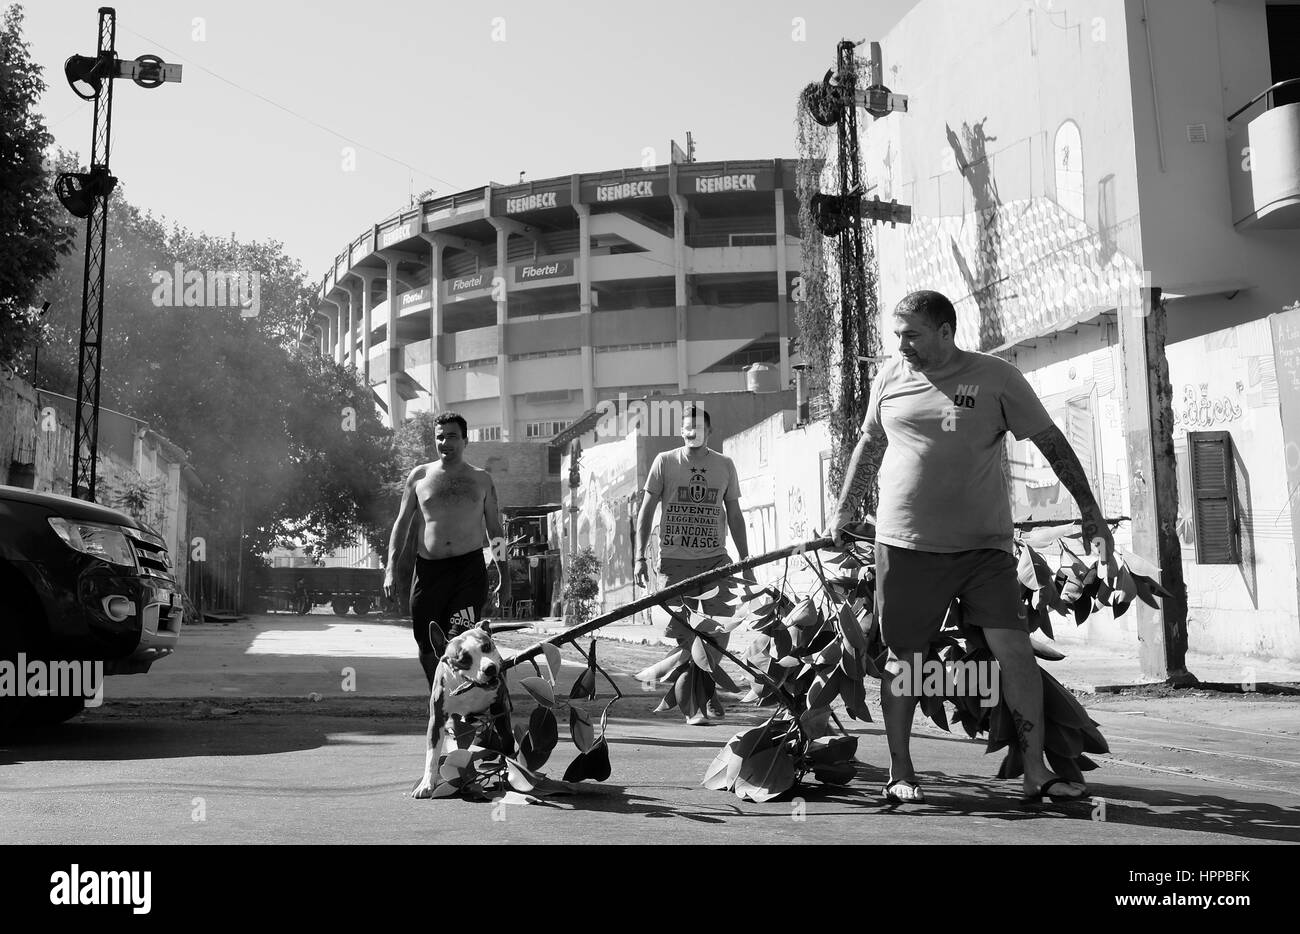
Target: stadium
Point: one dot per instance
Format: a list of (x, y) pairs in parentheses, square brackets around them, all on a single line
[(525, 306)]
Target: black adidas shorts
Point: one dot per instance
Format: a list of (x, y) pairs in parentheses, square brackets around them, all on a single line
[(447, 597)]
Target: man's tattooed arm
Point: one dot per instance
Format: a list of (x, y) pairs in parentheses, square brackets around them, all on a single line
[(861, 473), (1065, 464)]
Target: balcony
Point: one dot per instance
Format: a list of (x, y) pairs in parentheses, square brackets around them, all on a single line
[(1265, 166)]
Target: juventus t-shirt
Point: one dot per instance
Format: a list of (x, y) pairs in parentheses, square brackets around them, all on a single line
[(693, 523), (942, 487)]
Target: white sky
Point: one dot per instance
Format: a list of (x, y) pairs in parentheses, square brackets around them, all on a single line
[(574, 87)]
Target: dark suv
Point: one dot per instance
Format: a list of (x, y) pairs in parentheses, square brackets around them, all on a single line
[(79, 583)]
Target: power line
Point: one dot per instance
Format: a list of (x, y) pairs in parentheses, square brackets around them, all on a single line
[(292, 112)]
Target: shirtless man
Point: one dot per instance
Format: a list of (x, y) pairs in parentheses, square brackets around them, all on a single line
[(458, 503)]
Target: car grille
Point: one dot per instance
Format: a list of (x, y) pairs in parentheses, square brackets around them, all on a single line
[(151, 555)]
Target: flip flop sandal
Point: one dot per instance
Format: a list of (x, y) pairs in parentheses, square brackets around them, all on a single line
[(1045, 791), (892, 798)]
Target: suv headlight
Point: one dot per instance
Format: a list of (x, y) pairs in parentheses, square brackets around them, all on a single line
[(102, 541)]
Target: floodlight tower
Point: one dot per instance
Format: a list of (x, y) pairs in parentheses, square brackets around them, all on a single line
[(85, 194)]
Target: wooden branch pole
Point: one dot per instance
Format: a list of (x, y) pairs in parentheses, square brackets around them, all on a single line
[(686, 588), (693, 585)]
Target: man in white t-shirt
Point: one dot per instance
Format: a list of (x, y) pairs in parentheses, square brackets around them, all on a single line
[(700, 492)]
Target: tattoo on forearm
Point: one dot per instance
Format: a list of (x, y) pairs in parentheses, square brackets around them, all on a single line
[(1065, 464), (862, 472), (1023, 729)]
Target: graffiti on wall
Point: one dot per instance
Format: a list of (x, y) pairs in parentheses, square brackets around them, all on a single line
[(1199, 410), (797, 515)]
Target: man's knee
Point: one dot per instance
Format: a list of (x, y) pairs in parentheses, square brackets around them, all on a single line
[(1009, 646)]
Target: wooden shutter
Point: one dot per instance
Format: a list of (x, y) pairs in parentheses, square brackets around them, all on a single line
[(1214, 497)]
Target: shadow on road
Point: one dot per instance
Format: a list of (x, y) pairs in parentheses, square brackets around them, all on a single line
[(996, 799), (168, 730)]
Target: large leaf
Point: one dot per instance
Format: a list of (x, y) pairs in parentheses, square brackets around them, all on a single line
[(660, 669), (539, 690), (669, 700), (585, 686), (541, 738), (722, 772), (830, 655), (553, 661), (824, 688), (1025, 570), (593, 764), (580, 729), (804, 615), (684, 691), (723, 680), (703, 654), (851, 630), (765, 774), (835, 773), (815, 722), (830, 749)]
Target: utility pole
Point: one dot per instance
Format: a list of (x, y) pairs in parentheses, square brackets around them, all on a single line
[(85, 194), (1153, 489), (841, 216)]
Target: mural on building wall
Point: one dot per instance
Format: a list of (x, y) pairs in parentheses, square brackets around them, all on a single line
[(606, 499), (1017, 267)]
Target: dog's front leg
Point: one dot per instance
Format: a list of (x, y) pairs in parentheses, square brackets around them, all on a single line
[(433, 735)]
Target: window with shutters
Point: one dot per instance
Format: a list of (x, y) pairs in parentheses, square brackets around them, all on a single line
[(1214, 497)]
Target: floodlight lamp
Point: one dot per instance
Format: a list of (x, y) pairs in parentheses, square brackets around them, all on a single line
[(77, 190), (84, 74)]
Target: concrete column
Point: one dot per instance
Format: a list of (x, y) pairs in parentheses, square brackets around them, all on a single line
[(782, 303), (396, 404), (322, 326), (503, 359), (368, 280), (437, 244), (332, 341), (584, 305), (343, 301), (350, 331), (679, 277)]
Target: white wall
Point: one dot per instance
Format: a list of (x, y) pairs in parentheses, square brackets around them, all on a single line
[(1210, 59), (781, 488)]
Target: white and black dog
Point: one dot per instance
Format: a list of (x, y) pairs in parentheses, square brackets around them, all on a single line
[(469, 703)]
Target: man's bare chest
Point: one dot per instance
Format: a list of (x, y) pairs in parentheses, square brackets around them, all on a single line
[(444, 492)]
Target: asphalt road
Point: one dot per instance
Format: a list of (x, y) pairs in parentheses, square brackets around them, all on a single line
[(223, 743)]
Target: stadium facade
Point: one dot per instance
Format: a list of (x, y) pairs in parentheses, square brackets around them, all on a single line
[(524, 306)]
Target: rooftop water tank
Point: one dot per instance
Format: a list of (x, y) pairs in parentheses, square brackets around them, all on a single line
[(761, 377)]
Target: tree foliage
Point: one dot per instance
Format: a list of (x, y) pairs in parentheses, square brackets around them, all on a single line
[(580, 585), (34, 229), (287, 443)]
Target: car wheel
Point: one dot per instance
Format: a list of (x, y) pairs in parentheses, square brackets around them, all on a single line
[(27, 711), (340, 607), (49, 711), (363, 606)]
